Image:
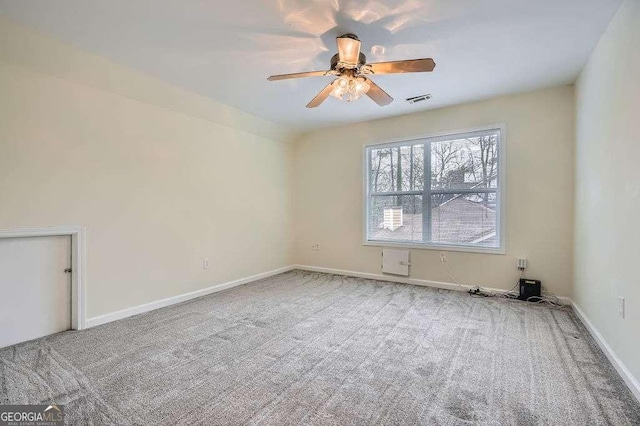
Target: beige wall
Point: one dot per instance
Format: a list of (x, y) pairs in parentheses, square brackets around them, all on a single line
[(160, 177), (607, 227), (539, 199)]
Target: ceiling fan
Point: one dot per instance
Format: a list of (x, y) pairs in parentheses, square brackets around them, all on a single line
[(351, 67)]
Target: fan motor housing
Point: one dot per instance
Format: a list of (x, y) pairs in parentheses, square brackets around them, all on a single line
[(362, 59)]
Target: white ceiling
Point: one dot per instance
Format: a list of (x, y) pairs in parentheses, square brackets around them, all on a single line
[(226, 49)]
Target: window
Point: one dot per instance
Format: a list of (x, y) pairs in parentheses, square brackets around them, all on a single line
[(441, 191)]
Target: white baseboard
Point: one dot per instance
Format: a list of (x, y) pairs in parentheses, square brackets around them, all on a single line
[(135, 310), (381, 277), (624, 372), (413, 281), (622, 369)]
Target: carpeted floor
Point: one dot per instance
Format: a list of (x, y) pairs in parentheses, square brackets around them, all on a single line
[(308, 348)]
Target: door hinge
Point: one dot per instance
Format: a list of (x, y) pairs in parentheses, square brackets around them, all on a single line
[(68, 271)]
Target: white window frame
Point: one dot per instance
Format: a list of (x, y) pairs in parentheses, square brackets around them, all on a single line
[(501, 209)]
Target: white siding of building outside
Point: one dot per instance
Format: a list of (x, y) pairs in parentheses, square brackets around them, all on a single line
[(393, 218)]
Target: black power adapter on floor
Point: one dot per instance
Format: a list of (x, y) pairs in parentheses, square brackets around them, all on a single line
[(530, 290)]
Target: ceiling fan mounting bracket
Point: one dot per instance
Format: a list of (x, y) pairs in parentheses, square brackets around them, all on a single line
[(352, 36), (337, 65)]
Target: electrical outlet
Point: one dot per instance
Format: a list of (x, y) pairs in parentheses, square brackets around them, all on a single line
[(315, 247), (621, 307), (443, 257), (205, 263), (522, 263)]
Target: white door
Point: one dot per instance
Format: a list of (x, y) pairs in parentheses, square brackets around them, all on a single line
[(35, 290)]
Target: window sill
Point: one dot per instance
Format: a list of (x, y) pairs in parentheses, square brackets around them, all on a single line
[(438, 247)]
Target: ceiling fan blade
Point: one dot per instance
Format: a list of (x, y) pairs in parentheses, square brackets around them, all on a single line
[(348, 49), (297, 75), (410, 65), (378, 95), (320, 97)]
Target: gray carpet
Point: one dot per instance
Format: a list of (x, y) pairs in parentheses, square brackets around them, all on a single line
[(308, 348)]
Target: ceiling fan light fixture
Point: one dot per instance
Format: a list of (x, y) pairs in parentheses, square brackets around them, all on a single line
[(347, 88), (362, 85)]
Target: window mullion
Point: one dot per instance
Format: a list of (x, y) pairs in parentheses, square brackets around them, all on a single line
[(465, 191), (426, 194), (411, 168), (368, 191), (395, 193)]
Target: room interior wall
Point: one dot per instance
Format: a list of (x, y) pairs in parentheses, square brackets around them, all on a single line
[(539, 140), (607, 231), (160, 177)]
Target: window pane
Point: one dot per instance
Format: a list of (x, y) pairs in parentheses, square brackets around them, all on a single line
[(397, 169), (465, 163), (465, 219), (395, 218), (463, 177)]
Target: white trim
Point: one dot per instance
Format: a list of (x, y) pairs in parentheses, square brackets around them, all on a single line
[(622, 369), (438, 247), (412, 281), (135, 310), (446, 133), (78, 265), (502, 191), (624, 372), (381, 277)]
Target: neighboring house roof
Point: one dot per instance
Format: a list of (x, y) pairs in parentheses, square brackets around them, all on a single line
[(454, 222)]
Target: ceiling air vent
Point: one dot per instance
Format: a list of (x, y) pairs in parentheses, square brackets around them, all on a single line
[(420, 98)]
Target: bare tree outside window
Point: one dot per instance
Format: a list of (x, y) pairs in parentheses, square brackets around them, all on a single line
[(460, 192)]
